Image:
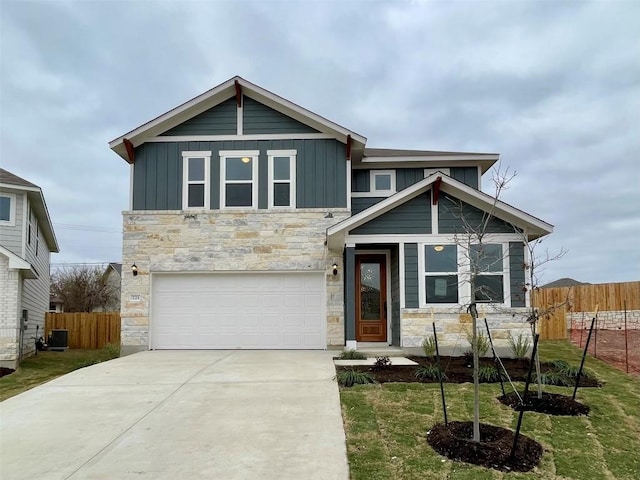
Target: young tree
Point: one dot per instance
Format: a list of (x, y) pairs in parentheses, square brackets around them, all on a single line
[(82, 288)]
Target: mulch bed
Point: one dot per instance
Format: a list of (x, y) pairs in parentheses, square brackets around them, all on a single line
[(454, 441), (457, 370), (550, 403), (5, 371)]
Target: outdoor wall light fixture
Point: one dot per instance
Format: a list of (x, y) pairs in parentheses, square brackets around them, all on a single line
[(134, 270), (335, 268)]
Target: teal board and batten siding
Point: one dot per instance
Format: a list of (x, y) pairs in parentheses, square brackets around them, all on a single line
[(412, 217), (258, 118), (320, 172), (411, 275), (516, 274), (455, 216), (405, 177), (395, 296), (219, 120), (362, 203), (466, 175)]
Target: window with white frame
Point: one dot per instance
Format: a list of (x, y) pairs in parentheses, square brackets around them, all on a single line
[(382, 182), (7, 209), (239, 175), (448, 269), (282, 178), (441, 273), (196, 179), (487, 262)]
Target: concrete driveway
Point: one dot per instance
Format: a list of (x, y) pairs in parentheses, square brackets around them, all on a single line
[(180, 415)]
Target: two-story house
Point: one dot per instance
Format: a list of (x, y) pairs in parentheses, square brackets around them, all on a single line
[(26, 242), (255, 223)]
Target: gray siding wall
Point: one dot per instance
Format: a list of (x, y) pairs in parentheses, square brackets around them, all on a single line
[(35, 292), (395, 296), (258, 118), (411, 275), (11, 236), (413, 216), (466, 175), (360, 181), (405, 177), (320, 172), (454, 216), (219, 120), (361, 203), (516, 273)]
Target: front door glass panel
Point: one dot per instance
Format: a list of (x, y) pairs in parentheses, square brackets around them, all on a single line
[(370, 308)]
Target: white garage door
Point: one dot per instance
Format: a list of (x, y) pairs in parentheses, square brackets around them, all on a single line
[(236, 310)]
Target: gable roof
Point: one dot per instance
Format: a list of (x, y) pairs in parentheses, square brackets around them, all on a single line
[(532, 226), (219, 94), (10, 181)]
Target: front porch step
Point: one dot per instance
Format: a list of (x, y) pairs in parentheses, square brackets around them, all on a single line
[(376, 349)]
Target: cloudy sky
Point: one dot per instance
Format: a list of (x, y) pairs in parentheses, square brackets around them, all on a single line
[(553, 86)]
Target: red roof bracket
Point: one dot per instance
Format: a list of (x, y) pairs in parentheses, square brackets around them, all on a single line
[(131, 152), (349, 147), (238, 93), (436, 190)]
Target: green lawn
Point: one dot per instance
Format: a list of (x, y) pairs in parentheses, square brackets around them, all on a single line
[(46, 366), (386, 427)]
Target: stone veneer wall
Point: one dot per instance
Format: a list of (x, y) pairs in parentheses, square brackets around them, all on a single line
[(179, 241), (453, 324), (9, 314), (613, 320)]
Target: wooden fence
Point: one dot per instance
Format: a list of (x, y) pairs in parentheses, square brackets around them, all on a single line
[(86, 330), (583, 298)]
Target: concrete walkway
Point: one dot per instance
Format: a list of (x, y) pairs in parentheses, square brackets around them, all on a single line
[(180, 414)]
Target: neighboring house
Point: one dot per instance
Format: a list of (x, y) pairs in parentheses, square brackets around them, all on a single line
[(56, 304), (26, 242), (113, 276), (254, 223)]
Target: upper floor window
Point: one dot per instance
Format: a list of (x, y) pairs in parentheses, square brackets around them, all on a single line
[(195, 179), (239, 174), (382, 182), (282, 175), (7, 209)]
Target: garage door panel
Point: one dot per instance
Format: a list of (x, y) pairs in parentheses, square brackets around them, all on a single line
[(279, 310)]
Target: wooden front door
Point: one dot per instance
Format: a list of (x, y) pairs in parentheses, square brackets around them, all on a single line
[(371, 298)]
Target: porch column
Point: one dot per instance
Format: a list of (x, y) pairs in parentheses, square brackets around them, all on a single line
[(350, 296)]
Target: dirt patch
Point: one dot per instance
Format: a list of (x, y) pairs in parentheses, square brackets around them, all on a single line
[(5, 371), (550, 403), (612, 347), (457, 370), (454, 441)]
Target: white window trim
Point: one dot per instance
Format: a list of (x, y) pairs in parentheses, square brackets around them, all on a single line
[(12, 210), (186, 156), (372, 183), (253, 154), (464, 267), (292, 154)]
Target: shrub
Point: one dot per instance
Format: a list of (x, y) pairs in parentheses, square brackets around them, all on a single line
[(348, 378), (553, 377), (519, 345), (382, 363), (429, 346), (571, 371), (488, 373), (352, 355), (483, 345), (430, 371)]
